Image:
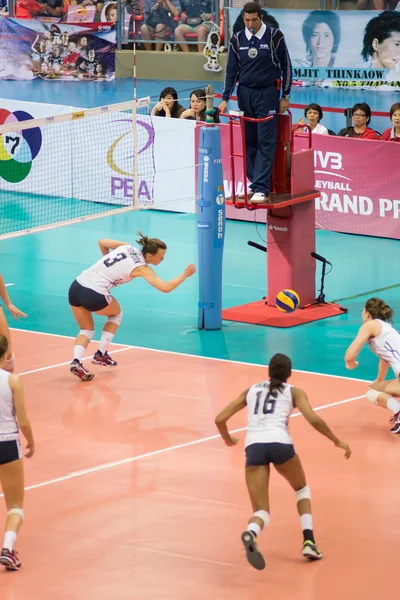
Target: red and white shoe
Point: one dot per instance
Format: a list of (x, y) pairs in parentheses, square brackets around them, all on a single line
[(10, 560), (79, 370), (395, 423), (104, 360)]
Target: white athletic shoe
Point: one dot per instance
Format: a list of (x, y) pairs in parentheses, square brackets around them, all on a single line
[(259, 198)]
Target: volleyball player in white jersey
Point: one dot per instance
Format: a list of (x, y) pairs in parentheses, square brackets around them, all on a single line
[(12, 414), (269, 405), (90, 293), (4, 329), (384, 341)]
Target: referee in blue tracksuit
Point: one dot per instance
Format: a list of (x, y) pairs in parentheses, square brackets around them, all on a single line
[(259, 61)]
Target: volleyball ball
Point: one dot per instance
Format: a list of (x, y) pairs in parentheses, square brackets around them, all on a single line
[(287, 301)]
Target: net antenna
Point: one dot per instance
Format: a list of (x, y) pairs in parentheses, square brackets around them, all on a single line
[(77, 166)]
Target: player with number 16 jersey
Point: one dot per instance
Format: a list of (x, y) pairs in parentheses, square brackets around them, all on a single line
[(91, 293)]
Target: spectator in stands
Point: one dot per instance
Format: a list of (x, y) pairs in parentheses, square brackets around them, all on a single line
[(168, 106), (393, 133), (197, 110), (382, 41), (52, 8), (321, 34), (361, 113), (196, 17), (313, 114), (265, 17), (159, 19)]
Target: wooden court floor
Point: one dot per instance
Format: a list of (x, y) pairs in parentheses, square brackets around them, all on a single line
[(131, 493)]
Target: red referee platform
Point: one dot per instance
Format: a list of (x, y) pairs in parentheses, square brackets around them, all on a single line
[(290, 229)]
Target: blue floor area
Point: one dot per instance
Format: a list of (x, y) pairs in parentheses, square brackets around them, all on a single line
[(42, 277)]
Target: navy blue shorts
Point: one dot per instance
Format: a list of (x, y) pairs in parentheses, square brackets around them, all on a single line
[(80, 295), (10, 451), (272, 452)]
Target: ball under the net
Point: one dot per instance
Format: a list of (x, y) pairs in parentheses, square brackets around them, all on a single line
[(287, 301)]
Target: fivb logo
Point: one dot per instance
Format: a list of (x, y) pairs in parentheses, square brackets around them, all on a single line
[(328, 160)]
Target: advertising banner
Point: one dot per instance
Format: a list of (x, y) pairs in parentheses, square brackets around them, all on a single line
[(33, 48), (355, 49)]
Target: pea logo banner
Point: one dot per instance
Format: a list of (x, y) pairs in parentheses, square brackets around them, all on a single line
[(18, 149), (341, 48)]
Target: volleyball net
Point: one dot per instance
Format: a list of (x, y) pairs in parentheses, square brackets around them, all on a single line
[(76, 166)]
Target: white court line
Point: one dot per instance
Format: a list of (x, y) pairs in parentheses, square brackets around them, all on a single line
[(8, 284), (132, 459), (224, 360), (63, 364)]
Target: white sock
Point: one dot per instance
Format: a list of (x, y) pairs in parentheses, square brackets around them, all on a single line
[(9, 540), (393, 405), (306, 521), (105, 341), (254, 527), (79, 351)]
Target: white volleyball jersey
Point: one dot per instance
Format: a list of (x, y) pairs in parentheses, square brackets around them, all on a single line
[(8, 422), (386, 345), (112, 269), (268, 416)]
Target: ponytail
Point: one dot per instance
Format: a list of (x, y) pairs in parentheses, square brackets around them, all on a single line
[(150, 245), (280, 369), (378, 309)]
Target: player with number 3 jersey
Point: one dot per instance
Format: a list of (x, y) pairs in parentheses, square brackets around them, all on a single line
[(91, 293), (384, 341), (269, 405)]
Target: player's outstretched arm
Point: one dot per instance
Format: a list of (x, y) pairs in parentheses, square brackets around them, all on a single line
[(226, 413), (301, 402), (367, 330), (164, 286), (106, 245)]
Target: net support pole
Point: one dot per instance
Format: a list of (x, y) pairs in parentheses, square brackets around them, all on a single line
[(210, 223)]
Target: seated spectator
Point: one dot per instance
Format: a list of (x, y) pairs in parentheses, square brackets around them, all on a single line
[(197, 110), (265, 17), (361, 114), (168, 106), (393, 133), (313, 114), (159, 19), (52, 8), (196, 17)]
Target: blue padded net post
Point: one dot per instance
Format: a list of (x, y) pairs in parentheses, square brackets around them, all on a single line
[(211, 225)]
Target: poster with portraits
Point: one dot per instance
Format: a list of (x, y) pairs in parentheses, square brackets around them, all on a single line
[(33, 48), (341, 48)]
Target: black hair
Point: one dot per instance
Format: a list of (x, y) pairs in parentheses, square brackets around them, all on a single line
[(378, 309), (280, 369), (201, 95), (3, 346), (177, 108), (251, 8), (380, 28), (316, 107), (150, 245), (365, 108), (322, 16)]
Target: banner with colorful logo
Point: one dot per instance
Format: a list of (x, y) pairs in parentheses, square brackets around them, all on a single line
[(92, 158), (341, 48), (32, 48)]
